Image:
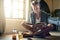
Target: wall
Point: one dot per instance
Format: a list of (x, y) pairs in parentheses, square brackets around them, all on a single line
[(56, 4), (53, 4), (49, 2), (14, 23)]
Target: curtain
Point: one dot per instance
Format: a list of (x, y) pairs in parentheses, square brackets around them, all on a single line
[(2, 17)]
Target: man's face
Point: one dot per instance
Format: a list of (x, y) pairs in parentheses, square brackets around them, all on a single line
[(36, 9)]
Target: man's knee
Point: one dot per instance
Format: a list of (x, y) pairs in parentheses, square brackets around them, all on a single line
[(50, 26)]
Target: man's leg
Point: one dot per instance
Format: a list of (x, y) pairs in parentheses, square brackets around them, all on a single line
[(44, 31), (27, 26)]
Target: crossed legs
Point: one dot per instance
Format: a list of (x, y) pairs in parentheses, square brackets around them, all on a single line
[(35, 28)]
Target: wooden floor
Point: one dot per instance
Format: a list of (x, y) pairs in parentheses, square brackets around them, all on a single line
[(9, 37)]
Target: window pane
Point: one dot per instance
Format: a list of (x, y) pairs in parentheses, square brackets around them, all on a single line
[(14, 8), (21, 7), (21, 0), (15, 14), (20, 14), (7, 13), (15, 4), (7, 8)]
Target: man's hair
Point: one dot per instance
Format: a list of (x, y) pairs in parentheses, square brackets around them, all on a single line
[(34, 3)]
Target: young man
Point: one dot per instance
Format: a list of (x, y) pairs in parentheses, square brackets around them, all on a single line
[(37, 22)]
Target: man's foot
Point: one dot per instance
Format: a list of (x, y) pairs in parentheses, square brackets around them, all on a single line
[(48, 34)]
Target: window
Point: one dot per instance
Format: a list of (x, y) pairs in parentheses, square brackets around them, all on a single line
[(14, 8)]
